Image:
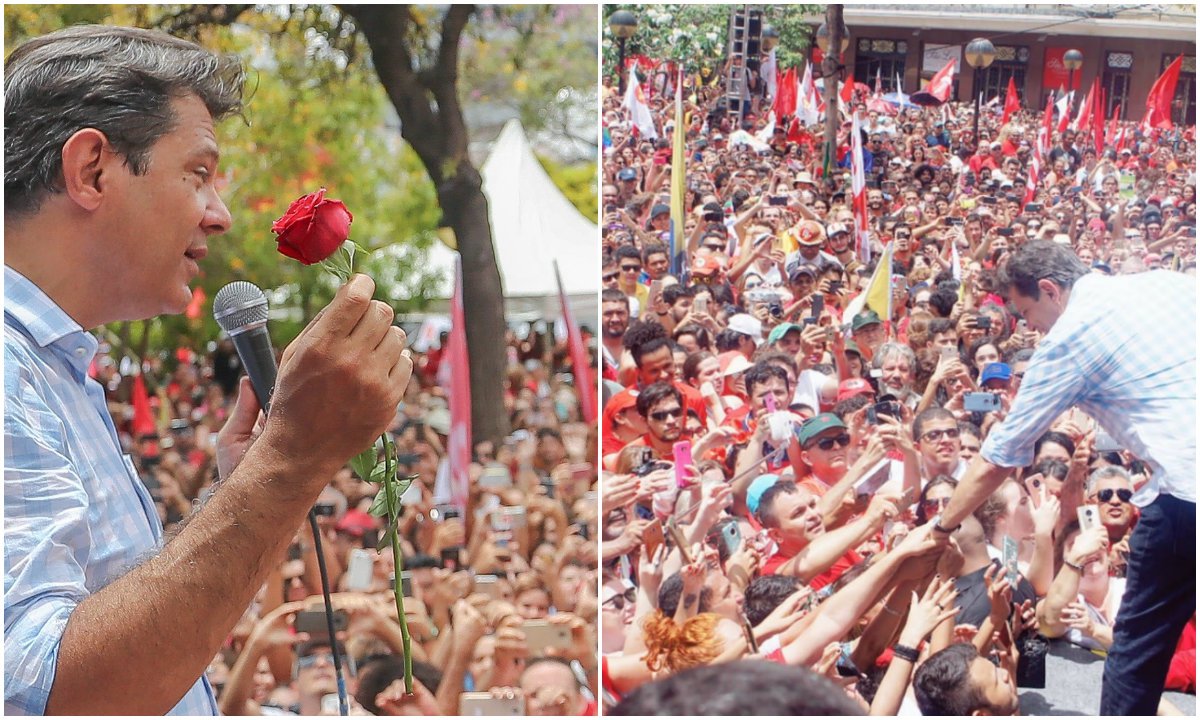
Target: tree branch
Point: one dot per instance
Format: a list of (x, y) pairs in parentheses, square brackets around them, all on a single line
[(445, 84)]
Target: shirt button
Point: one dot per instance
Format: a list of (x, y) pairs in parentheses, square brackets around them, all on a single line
[(80, 351)]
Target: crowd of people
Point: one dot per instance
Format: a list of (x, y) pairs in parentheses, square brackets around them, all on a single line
[(499, 598), (773, 463)]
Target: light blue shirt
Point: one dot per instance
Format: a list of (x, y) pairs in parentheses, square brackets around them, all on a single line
[(76, 514), (1124, 351)]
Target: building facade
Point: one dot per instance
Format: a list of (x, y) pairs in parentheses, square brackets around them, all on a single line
[(1127, 50)]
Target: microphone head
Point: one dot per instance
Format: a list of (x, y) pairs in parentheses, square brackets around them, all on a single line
[(240, 306)]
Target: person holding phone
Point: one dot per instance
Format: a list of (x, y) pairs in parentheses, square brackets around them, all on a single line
[(1087, 358)]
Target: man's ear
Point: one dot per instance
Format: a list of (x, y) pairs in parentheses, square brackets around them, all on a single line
[(87, 157)]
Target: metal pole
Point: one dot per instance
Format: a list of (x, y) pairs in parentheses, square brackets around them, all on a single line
[(829, 65), (975, 92), (621, 67)]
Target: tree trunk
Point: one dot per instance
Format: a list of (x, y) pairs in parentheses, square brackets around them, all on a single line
[(829, 66), (432, 123), (466, 209)]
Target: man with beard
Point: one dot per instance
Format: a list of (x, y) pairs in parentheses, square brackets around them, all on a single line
[(897, 362), (841, 247), (614, 313), (937, 434), (661, 405)]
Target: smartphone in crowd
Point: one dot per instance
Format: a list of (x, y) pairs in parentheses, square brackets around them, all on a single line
[(652, 537), (683, 458), (316, 625), (360, 570), (486, 584), (1089, 517), (541, 634), (981, 402), (1106, 443), (452, 558), (1010, 560), (483, 703)]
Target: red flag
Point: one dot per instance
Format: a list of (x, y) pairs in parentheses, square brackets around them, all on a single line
[(785, 101), (1031, 185), (1047, 127), (1162, 93), (1012, 103), (848, 89), (143, 418), (585, 383), (1098, 121), (196, 305), (940, 86), (1065, 111), (459, 443), (1111, 133), (1084, 118)]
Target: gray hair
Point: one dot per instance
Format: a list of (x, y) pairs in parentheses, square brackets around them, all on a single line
[(1104, 473), (1042, 260), (890, 349), (118, 80)]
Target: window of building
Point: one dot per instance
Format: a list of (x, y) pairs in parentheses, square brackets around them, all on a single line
[(1183, 108), (1011, 62), (882, 56), (1118, 72)]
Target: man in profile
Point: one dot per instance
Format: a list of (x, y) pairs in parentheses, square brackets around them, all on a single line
[(109, 208)]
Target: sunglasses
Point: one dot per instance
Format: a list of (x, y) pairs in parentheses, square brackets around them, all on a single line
[(935, 435), (935, 503), (841, 441), (663, 415), (631, 268), (1106, 494), (309, 660), (609, 277), (618, 601)]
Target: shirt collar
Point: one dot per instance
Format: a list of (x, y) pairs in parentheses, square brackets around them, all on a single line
[(45, 322)]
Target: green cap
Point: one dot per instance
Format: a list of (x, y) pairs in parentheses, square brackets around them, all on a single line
[(814, 426), (852, 347), (782, 329), (863, 319)]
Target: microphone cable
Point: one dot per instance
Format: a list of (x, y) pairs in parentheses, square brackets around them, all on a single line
[(343, 698)]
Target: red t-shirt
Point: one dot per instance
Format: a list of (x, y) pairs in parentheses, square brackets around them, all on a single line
[(844, 563)]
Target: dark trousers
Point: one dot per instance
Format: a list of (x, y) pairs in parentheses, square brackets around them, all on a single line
[(1160, 597)]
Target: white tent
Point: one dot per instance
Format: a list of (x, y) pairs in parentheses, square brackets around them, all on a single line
[(533, 224)]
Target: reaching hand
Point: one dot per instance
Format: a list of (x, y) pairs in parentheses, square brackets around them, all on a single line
[(931, 610)]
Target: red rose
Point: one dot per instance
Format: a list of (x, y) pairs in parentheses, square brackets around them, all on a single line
[(313, 228)]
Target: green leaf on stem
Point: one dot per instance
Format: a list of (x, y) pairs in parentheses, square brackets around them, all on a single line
[(364, 463), (403, 483), (385, 540), (379, 508)]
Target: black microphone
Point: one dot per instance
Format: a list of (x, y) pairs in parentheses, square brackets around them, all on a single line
[(240, 308)]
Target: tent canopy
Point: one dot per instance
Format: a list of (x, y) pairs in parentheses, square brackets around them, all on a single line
[(533, 225)]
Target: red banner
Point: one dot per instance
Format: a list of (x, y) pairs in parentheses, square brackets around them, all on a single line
[(459, 442), (585, 381), (1055, 74)]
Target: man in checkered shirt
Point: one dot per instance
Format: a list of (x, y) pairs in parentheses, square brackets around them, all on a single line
[(1122, 349)]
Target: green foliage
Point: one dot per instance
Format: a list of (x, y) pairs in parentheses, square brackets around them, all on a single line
[(698, 35), (577, 182)]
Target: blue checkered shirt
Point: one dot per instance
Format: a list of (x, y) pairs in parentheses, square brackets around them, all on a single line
[(76, 515), (1124, 351)]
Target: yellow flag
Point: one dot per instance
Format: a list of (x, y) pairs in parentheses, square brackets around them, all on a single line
[(878, 294), (678, 178)]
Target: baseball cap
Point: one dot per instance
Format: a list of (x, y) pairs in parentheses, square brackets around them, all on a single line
[(852, 347), (706, 265), (758, 487), (733, 362), (747, 325), (795, 268), (627, 174), (617, 404), (836, 229), (995, 371), (863, 319), (818, 424), (996, 145), (659, 209), (852, 387), (810, 232), (782, 329), (355, 522), (804, 177)]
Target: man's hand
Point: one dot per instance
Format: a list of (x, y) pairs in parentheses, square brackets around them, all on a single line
[(352, 354), (243, 427)]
